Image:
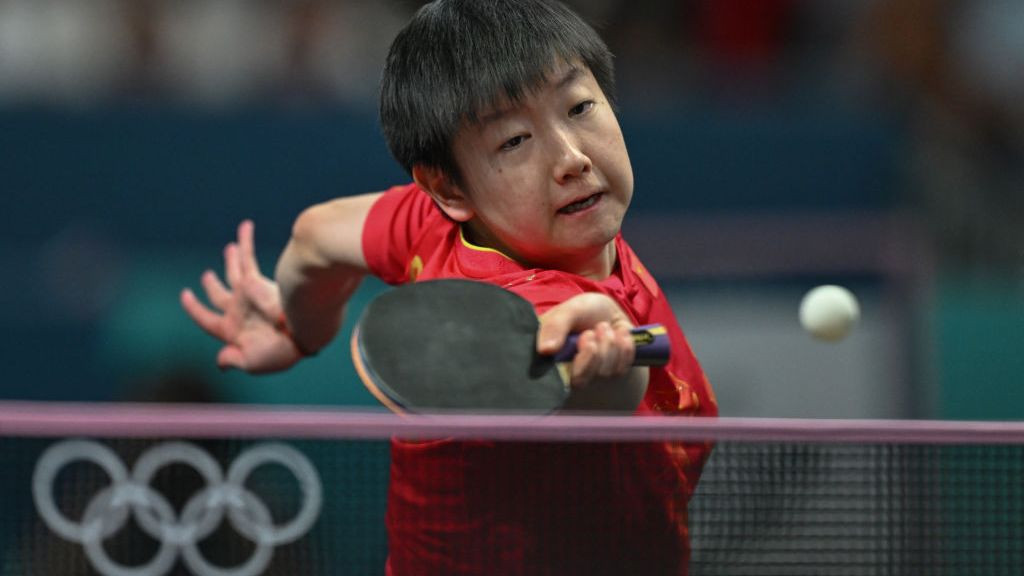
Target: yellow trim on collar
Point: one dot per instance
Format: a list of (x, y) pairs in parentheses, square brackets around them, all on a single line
[(471, 246)]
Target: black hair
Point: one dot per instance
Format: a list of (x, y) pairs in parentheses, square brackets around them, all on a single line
[(457, 58)]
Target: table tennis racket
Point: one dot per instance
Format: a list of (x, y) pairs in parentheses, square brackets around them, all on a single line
[(461, 345)]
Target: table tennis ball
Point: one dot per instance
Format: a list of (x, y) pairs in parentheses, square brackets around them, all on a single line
[(829, 312)]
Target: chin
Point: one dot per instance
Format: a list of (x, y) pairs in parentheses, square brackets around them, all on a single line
[(608, 227), (592, 244)]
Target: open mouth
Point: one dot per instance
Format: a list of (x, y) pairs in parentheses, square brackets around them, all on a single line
[(580, 205)]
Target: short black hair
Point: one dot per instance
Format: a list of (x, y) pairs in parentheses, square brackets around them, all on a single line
[(457, 58)]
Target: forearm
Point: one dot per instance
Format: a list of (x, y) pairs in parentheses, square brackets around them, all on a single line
[(313, 296), (320, 269)]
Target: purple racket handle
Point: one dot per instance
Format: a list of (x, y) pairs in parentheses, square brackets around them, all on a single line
[(652, 346)]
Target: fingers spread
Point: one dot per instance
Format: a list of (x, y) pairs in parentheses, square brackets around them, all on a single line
[(208, 320), (263, 295), (218, 294), (232, 266), (248, 264)]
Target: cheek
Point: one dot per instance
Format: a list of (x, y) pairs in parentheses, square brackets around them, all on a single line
[(614, 142), (624, 164), (617, 159), (507, 202), (624, 159)]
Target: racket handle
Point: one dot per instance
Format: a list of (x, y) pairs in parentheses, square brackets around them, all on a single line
[(652, 346)]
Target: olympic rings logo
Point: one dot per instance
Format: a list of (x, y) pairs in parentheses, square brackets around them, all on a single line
[(130, 493)]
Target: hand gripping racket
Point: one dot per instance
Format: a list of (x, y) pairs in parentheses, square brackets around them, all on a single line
[(460, 345)]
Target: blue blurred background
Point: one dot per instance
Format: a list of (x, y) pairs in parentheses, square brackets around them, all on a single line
[(777, 145)]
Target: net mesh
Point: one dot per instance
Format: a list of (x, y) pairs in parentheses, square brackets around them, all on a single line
[(852, 509), (774, 506)]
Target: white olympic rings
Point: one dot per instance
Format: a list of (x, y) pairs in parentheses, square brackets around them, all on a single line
[(131, 493)]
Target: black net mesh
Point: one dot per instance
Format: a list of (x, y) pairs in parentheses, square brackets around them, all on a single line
[(869, 509)]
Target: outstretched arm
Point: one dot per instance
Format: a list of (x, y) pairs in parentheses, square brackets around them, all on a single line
[(267, 325), (321, 268)]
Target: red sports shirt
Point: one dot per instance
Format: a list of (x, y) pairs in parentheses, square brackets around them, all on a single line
[(537, 508)]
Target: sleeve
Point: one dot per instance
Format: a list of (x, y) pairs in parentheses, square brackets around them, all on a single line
[(393, 226)]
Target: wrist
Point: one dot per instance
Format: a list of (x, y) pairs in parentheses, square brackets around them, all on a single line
[(304, 351)]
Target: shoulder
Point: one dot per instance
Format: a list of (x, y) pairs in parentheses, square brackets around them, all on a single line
[(403, 227), (406, 198)]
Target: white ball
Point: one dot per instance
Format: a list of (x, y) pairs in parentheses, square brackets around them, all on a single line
[(829, 312)]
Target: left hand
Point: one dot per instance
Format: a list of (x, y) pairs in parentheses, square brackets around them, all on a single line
[(246, 314)]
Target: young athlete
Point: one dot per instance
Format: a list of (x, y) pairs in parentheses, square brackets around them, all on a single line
[(503, 113)]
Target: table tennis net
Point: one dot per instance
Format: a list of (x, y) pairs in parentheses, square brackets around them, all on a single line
[(146, 492)]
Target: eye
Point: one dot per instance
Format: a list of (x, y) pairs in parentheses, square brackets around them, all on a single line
[(581, 108), (514, 142)]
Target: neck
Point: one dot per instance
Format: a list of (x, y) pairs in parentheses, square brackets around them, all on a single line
[(595, 265)]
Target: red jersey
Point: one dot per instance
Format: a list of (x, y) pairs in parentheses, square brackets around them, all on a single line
[(537, 508)]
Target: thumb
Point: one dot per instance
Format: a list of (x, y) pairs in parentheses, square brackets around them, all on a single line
[(230, 357), (553, 330)]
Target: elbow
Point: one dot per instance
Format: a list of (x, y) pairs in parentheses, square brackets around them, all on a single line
[(303, 255), (306, 229), (329, 235)]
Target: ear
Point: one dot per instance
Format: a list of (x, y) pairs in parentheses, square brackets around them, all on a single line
[(448, 195)]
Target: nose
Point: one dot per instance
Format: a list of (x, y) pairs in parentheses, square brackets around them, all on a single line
[(570, 160)]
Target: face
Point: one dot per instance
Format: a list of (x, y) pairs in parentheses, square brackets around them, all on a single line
[(548, 180)]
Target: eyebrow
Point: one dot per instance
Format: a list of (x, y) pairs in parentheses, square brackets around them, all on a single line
[(571, 75), (494, 116)]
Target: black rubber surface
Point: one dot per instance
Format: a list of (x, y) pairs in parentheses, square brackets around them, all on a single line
[(456, 345)]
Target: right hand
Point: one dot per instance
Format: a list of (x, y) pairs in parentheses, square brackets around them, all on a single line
[(605, 349), (602, 375), (247, 315)]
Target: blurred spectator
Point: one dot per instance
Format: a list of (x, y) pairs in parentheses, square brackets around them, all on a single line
[(220, 52), (66, 51), (207, 52), (336, 50), (953, 72)]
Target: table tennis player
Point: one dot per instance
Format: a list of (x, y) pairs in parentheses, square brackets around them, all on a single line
[(503, 114)]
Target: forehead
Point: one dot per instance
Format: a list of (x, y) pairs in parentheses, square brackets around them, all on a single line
[(561, 75)]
